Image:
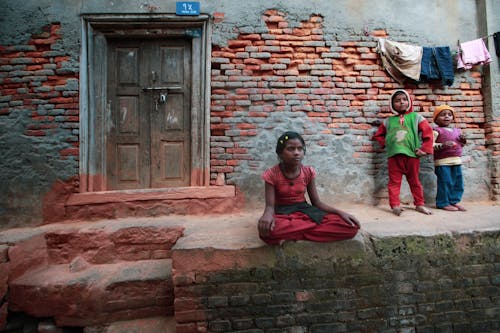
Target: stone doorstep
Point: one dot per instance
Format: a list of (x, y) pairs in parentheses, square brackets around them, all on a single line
[(196, 200), (97, 294), (177, 193)]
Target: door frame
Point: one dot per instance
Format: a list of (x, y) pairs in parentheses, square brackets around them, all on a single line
[(94, 109)]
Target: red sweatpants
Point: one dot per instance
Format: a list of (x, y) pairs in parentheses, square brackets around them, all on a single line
[(299, 226), (399, 165)]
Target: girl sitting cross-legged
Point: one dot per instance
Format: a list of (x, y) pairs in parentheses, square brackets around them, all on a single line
[(287, 215)]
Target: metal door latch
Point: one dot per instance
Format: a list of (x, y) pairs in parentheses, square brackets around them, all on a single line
[(163, 98)]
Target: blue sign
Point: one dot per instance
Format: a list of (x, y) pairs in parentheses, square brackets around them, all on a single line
[(187, 8)]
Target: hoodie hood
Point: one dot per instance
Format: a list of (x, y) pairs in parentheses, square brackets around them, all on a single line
[(410, 102)]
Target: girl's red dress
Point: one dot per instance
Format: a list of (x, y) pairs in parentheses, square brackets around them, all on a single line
[(297, 225)]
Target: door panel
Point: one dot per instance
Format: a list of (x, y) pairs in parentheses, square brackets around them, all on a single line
[(149, 138), (171, 126), (127, 163), (128, 157), (172, 64), (128, 121), (127, 65), (171, 169), (172, 113)]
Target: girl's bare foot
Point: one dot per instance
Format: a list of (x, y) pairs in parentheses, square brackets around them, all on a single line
[(460, 207), (397, 210), (423, 210)]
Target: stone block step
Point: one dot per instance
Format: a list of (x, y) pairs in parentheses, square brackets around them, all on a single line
[(82, 294), (98, 242), (99, 245)]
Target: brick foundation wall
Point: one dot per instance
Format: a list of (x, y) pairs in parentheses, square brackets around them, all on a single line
[(401, 284)]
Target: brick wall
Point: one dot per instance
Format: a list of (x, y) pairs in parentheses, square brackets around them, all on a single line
[(397, 284), (339, 86), (39, 123), (335, 86), (35, 80)]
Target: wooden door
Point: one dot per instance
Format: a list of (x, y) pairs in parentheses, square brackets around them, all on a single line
[(149, 134)]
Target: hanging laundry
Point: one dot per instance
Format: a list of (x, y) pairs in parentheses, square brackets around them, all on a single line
[(472, 53), (400, 60), (437, 63), (496, 39)]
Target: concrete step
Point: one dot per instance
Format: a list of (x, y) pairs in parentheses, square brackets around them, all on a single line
[(107, 244), (98, 242), (82, 294)]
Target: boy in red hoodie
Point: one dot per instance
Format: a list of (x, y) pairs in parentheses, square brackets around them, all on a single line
[(400, 136)]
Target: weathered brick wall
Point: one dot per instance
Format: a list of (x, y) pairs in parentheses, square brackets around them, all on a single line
[(39, 124), (338, 87), (284, 75), (36, 81), (492, 129), (402, 284)]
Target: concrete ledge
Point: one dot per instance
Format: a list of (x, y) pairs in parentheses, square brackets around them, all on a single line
[(239, 231)]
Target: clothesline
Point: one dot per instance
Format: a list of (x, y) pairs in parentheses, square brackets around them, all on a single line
[(367, 33), (490, 35), (484, 37), (422, 64)]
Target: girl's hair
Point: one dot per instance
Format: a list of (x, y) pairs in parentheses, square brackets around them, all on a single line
[(282, 140)]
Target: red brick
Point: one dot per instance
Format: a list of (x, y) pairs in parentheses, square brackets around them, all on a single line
[(233, 44), (61, 100), (69, 152), (34, 133), (250, 37)]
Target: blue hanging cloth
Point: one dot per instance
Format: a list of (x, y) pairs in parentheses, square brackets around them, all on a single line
[(437, 64)]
